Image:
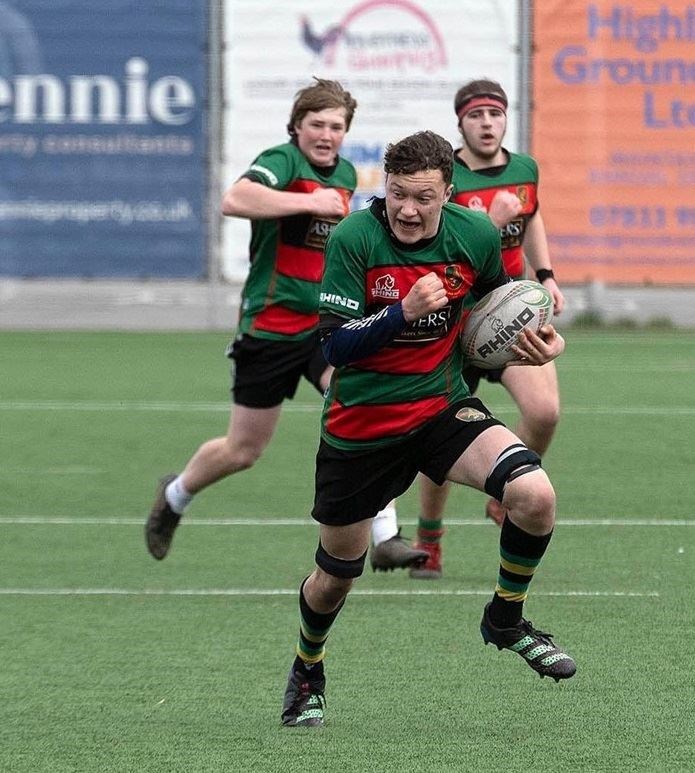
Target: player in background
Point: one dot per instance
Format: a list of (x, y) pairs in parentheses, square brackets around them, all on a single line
[(491, 179), (392, 300), (294, 194)]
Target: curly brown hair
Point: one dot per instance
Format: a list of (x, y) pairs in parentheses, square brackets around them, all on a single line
[(420, 152), (322, 95)]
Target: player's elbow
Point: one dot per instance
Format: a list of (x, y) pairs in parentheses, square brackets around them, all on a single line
[(332, 355), (235, 199), (335, 355), (229, 205)]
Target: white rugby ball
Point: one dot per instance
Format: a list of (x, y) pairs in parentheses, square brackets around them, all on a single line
[(495, 321)]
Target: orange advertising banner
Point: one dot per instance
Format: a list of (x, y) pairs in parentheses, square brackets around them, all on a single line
[(614, 136)]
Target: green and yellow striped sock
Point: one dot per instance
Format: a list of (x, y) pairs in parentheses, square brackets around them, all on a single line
[(313, 631), (520, 554)]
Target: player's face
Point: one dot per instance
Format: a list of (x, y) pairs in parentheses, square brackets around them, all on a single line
[(320, 135), (483, 130), (414, 204)]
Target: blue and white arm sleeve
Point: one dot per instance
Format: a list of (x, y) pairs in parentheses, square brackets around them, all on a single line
[(358, 338)]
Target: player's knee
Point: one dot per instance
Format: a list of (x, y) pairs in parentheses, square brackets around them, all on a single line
[(544, 417), (532, 496), (331, 589), (243, 456), (340, 568), (512, 463), (246, 459), (337, 575)]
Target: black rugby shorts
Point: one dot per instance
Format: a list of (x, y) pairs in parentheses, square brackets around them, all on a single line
[(472, 375), (267, 372), (354, 485)]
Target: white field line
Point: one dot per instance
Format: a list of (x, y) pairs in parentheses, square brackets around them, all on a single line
[(241, 592), (46, 520), (251, 592), (67, 470), (291, 407)]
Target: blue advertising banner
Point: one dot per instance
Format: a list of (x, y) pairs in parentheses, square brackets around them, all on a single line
[(102, 138)]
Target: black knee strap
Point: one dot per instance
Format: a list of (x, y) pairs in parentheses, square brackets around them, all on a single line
[(339, 567), (514, 461)]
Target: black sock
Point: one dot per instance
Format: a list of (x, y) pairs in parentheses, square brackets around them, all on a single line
[(520, 554), (313, 631)]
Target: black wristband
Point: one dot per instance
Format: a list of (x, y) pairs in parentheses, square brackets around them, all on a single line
[(544, 273)]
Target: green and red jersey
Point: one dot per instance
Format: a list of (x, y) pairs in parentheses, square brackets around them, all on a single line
[(386, 396), (476, 190), (280, 298)]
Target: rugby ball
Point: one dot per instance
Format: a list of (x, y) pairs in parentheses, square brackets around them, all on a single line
[(495, 321)]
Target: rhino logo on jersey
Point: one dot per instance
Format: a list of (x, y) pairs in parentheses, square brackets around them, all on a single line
[(385, 287), (476, 203)]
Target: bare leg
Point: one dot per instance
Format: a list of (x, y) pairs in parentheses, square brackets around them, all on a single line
[(250, 431), (432, 498), (530, 507), (536, 393), (325, 592)]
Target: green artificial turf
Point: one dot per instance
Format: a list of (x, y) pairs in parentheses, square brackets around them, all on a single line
[(111, 661)]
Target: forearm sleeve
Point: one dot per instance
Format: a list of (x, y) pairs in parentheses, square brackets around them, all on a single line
[(346, 342)]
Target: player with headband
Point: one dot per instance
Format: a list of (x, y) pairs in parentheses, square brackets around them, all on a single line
[(489, 178)]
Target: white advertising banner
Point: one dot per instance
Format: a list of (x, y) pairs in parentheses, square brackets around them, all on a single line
[(403, 61)]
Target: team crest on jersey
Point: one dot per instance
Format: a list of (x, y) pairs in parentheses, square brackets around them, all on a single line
[(453, 278), (385, 288), (470, 414), (522, 193)]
